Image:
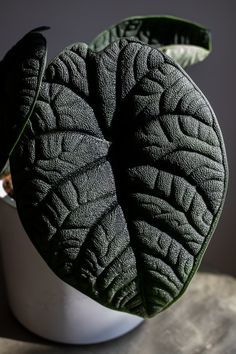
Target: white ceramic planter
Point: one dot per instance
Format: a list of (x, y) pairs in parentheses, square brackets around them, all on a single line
[(41, 301)]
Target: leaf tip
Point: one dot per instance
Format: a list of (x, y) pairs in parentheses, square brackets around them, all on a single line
[(40, 29)]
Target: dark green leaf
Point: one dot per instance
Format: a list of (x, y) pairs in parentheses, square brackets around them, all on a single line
[(21, 72), (120, 175), (184, 41)]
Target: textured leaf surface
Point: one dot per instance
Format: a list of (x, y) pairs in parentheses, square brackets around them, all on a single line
[(120, 175), (21, 72), (184, 41)]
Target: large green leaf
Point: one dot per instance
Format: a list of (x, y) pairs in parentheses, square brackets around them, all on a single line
[(184, 41), (120, 175), (21, 72)]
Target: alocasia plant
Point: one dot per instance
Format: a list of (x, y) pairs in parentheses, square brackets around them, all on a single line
[(120, 173)]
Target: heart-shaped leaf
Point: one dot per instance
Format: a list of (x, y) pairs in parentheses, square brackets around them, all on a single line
[(184, 41), (120, 175), (21, 72)]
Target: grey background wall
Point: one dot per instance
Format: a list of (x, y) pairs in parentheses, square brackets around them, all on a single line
[(81, 20)]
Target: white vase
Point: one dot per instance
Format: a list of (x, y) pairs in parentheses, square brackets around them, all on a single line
[(42, 302)]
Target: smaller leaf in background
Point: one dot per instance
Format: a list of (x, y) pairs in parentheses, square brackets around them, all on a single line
[(21, 72), (184, 41)]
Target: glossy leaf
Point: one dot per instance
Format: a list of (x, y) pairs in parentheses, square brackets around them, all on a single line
[(184, 41), (120, 175), (21, 72)]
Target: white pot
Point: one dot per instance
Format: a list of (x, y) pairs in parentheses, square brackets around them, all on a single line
[(42, 302)]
